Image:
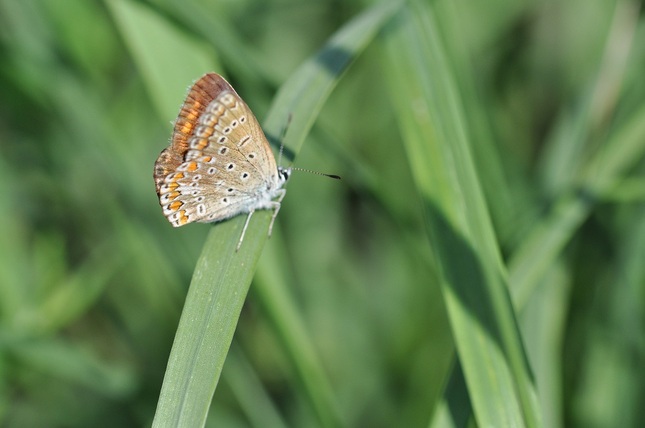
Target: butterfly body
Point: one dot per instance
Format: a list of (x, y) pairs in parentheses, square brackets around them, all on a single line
[(219, 163)]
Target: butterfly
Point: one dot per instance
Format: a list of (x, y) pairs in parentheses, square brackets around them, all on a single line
[(219, 163)]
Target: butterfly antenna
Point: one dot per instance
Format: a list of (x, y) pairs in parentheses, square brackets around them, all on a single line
[(335, 177), (284, 133), (282, 136)]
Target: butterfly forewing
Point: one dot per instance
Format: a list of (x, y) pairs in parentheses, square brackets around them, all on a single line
[(219, 161), (199, 97)]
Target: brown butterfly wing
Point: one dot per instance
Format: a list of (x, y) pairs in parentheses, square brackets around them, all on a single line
[(219, 161), (200, 95)]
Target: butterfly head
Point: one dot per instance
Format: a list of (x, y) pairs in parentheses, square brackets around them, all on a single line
[(283, 174)]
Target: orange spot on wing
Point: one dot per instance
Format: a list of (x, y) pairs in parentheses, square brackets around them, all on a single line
[(183, 219), (200, 95), (175, 205), (187, 128), (192, 166), (201, 144)]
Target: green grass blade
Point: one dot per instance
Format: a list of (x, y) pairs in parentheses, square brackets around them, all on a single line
[(543, 321), (486, 333), (539, 251), (206, 327)]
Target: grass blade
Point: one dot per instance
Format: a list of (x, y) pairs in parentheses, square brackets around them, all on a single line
[(486, 333)]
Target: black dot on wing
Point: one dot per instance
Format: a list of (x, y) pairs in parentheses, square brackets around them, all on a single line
[(230, 166), (251, 155)]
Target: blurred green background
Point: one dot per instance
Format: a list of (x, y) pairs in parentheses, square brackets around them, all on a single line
[(93, 278)]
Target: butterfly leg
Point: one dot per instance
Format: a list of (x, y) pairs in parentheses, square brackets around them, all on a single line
[(239, 244), (276, 208)]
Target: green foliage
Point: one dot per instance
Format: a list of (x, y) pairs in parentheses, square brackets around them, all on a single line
[(481, 261)]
